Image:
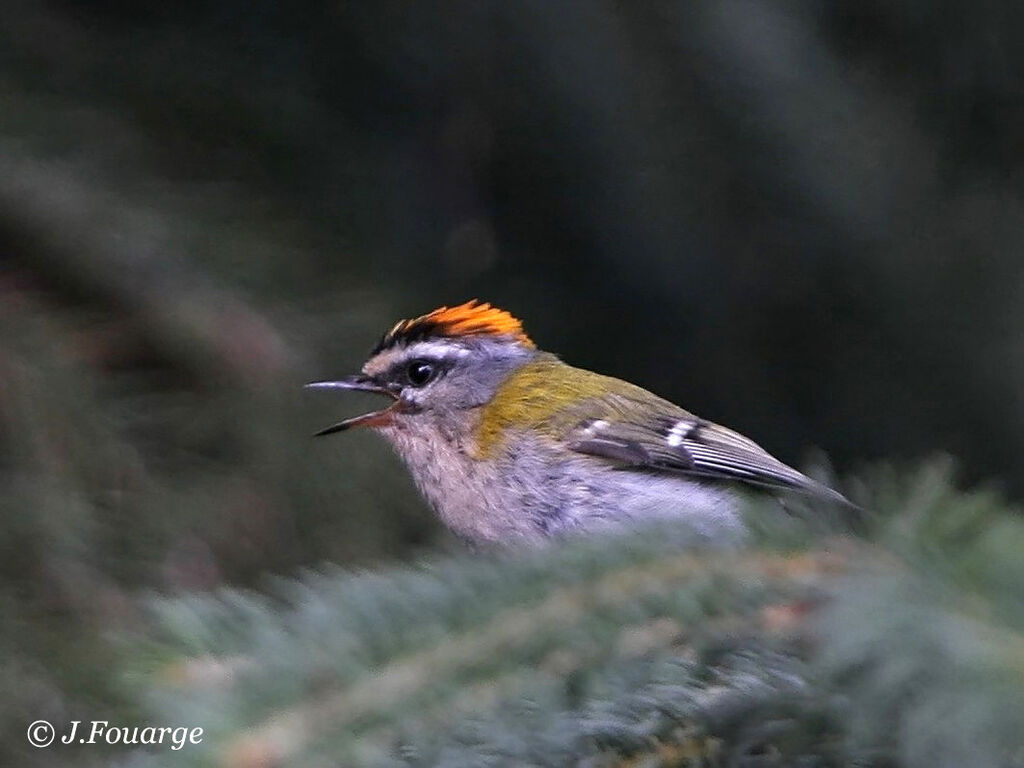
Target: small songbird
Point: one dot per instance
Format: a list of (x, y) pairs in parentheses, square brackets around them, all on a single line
[(508, 443)]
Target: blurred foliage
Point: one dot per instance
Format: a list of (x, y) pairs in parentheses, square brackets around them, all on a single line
[(652, 648), (800, 219)]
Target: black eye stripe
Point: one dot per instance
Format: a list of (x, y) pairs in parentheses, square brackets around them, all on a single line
[(417, 372)]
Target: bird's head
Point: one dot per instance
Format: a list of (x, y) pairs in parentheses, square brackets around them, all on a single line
[(449, 360)]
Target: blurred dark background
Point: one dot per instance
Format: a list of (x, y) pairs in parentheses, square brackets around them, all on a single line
[(801, 219)]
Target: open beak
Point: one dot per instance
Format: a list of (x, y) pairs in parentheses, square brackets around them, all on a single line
[(362, 384)]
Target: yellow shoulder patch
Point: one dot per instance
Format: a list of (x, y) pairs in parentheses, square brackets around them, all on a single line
[(541, 395)]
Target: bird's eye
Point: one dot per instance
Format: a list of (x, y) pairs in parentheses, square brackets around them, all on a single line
[(420, 372)]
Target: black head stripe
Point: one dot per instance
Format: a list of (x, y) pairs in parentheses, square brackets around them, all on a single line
[(469, 319), (408, 334)]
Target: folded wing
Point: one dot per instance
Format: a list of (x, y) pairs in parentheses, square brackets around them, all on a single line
[(676, 441)]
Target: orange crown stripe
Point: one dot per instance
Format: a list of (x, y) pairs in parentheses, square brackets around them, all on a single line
[(469, 319)]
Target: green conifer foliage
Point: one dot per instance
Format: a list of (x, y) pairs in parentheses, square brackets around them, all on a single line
[(651, 648)]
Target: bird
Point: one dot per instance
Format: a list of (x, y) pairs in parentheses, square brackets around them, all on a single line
[(508, 443)]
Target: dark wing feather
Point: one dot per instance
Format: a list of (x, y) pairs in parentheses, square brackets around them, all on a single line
[(680, 442)]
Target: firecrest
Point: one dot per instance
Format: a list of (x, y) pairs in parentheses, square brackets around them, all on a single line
[(508, 443)]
